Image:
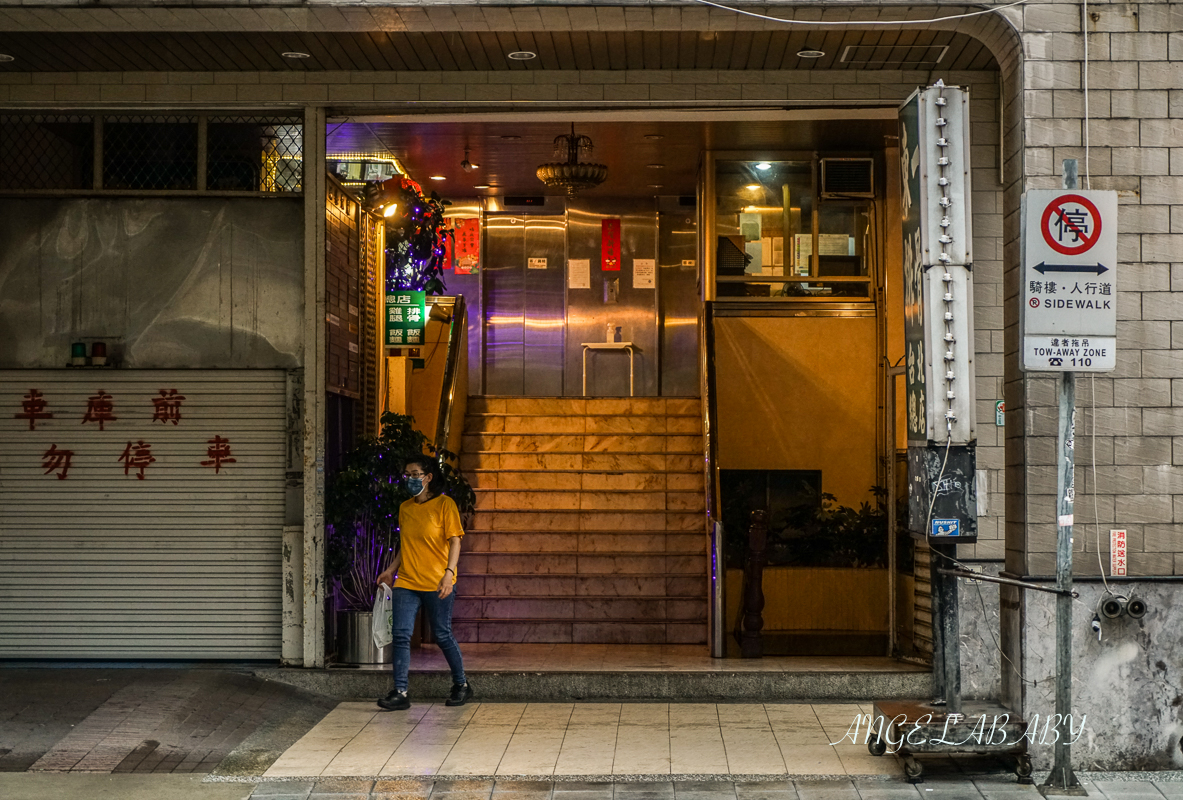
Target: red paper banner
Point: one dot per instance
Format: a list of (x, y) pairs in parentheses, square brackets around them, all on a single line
[(467, 247), (610, 245)]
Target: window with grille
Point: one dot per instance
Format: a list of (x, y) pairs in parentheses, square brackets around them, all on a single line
[(46, 152), (186, 153), (150, 153), (255, 154)]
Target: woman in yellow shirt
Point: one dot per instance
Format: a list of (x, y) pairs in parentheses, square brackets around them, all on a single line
[(429, 550)]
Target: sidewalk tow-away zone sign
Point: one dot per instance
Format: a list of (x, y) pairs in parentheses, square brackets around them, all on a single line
[(1069, 313)]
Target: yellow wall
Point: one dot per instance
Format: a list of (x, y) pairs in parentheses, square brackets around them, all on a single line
[(799, 393)]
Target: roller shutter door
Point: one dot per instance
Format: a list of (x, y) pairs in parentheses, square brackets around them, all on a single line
[(183, 562)]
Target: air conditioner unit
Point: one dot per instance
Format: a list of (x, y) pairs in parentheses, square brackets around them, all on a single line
[(844, 178)]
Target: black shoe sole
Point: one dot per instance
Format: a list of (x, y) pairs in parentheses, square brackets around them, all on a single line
[(396, 705), (462, 701)]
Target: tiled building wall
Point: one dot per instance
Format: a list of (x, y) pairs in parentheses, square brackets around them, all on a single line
[(1135, 136)]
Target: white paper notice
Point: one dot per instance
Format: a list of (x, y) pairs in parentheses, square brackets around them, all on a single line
[(536, 263), (644, 273), (579, 273)]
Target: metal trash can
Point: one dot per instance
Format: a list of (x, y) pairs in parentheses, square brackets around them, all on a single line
[(355, 640)]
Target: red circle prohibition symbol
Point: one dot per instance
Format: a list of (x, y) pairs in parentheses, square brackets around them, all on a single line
[(1056, 209), (1033, 302)]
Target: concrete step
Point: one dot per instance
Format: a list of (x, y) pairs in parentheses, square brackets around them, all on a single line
[(580, 406)]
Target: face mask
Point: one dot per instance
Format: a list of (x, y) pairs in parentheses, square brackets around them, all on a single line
[(415, 486)]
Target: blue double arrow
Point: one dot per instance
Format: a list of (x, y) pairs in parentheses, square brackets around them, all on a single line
[(1044, 268)]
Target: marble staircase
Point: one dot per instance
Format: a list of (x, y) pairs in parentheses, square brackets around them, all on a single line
[(590, 523)]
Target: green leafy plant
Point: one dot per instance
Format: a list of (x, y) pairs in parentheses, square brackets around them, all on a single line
[(362, 501)]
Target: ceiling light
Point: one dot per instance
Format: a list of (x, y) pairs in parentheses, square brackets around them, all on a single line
[(655, 166), (438, 178), (810, 53), (569, 172), (481, 186), (752, 187), (5, 58), (296, 54), (510, 137), (656, 185), (467, 165), (763, 165), (522, 55), (390, 209), (653, 137)]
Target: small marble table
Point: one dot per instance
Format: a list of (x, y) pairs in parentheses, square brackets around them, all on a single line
[(609, 346)]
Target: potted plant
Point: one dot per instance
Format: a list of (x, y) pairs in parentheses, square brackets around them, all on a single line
[(361, 520)]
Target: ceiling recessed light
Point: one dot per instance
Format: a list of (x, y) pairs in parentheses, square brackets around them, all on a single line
[(438, 177), (296, 54), (653, 137), (481, 186), (5, 58), (751, 187), (810, 53), (763, 165), (655, 166), (522, 55), (510, 137), (656, 185)]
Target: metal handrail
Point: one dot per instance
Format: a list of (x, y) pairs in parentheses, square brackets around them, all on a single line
[(717, 567), (443, 423)]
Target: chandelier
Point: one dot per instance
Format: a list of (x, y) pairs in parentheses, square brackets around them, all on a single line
[(570, 174)]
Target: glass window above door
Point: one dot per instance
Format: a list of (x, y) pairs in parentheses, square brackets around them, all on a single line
[(772, 237)]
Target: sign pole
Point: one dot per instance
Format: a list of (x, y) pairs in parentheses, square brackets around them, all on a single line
[(1062, 780)]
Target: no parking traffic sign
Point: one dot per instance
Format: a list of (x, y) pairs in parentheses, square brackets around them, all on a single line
[(1069, 313)]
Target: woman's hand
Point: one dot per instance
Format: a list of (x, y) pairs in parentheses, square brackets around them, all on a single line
[(386, 577), (445, 587)]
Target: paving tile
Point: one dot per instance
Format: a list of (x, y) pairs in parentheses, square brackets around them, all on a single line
[(451, 786), (273, 788), (826, 790), (413, 786), (1128, 790), (656, 789), (682, 788), (1170, 789), (300, 796), (583, 786)]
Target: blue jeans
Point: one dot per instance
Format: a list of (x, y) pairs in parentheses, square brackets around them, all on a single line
[(406, 604)]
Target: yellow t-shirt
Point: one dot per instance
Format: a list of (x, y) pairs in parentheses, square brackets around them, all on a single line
[(426, 528)]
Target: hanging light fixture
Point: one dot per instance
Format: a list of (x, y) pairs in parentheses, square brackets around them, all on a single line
[(571, 174)]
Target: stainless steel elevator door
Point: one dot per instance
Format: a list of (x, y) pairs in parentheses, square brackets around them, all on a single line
[(524, 307)]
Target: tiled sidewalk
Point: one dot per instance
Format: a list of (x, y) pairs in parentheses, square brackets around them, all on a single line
[(587, 740), (953, 785)]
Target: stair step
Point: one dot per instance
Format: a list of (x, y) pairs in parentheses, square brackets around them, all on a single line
[(574, 563), (581, 480), (563, 631), (566, 406), (581, 609), (578, 425), (560, 500), (524, 585), (593, 462), (525, 519), (640, 542), (582, 443)]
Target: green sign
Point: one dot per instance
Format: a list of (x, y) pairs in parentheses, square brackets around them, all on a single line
[(406, 317), (913, 271)]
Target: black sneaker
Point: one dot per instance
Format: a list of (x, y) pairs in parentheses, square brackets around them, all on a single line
[(461, 694), (395, 701)]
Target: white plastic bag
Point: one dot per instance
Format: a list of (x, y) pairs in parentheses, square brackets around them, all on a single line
[(383, 617)]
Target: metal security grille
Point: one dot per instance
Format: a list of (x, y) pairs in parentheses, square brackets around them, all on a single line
[(46, 152), (141, 513), (150, 152), (256, 154)]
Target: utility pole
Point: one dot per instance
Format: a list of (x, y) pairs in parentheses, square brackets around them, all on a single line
[(1062, 780)]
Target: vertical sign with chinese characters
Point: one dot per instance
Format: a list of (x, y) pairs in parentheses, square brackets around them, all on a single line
[(467, 245), (1117, 554), (914, 378), (1068, 317), (406, 317), (610, 245)]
